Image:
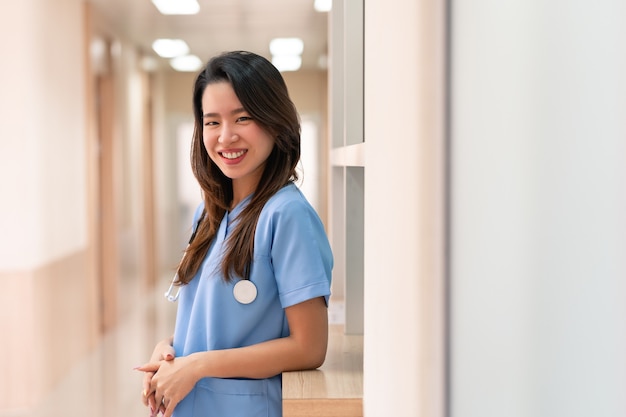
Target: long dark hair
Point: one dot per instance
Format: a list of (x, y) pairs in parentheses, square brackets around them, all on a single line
[(260, 88)]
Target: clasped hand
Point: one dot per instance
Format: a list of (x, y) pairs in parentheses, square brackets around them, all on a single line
[(165, 382)]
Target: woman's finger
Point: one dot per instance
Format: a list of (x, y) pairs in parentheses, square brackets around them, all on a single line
[(168, 353), (149, 367), (145, 394), (152, 404), (171, 405)]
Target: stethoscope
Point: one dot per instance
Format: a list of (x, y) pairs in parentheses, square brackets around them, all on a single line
[(244, 290)]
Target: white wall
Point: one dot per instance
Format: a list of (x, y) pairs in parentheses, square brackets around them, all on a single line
[(42, 127), (538, 209)]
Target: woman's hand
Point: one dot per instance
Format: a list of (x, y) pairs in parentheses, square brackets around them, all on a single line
[(170, 382), (163, 351)]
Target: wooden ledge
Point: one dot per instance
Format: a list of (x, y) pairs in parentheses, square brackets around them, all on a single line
[(336, 388)]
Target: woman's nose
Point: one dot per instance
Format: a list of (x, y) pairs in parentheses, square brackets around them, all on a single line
[(227, 135)]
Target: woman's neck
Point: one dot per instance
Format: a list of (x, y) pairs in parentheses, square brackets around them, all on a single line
[(238, 198)]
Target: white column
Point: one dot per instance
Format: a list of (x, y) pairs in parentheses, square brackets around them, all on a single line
[(404, 102)]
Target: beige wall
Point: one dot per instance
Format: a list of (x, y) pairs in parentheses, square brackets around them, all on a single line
[(51, 300), (309, 91), (46, 326), (45, 316), (42, 131), (404, 211)]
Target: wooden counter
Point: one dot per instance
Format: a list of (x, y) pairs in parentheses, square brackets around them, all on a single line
[(333, 390)]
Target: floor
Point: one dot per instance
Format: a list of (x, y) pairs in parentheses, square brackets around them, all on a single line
[(104, 384)]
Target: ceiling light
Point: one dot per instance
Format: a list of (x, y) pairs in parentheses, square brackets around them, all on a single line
[(186, 63), (170, 48), (287, 62), (286, 46), (177, 6), (323, 5)]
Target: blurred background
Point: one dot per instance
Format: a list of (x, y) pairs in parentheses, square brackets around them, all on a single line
[(467, 158)]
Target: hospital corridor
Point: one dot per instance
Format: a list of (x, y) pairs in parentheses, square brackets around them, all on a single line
[(466, 160), (103, 382)]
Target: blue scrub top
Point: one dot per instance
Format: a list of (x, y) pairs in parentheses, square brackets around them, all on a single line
[(292, 263)]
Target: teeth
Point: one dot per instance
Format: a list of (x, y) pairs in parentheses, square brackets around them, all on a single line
[(232, 155)]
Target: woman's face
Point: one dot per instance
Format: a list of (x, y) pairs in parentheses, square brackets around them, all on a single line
[(235, 142)]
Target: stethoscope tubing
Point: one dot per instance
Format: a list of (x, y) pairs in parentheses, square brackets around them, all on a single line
[(168, 294), (244, 291)]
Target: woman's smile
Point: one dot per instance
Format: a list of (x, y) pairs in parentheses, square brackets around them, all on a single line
[(233, 156)]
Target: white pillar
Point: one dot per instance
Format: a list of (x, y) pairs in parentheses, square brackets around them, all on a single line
[(404, 104)]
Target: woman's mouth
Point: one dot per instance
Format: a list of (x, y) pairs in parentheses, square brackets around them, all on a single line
[(232, 155)]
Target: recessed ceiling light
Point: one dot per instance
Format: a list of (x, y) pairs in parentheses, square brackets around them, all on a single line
[(286, 46), (323, 5), (177, 6), (170, 48), (186, 63), (287, 62)]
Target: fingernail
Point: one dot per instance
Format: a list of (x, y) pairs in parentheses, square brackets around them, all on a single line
[(169, 356)]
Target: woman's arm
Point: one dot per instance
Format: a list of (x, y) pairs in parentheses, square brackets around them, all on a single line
[(304, 348)]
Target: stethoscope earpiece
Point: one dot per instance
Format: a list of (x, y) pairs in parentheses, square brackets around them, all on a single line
[(168, 294)]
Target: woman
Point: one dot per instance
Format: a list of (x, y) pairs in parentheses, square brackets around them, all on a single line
[(255, 278)]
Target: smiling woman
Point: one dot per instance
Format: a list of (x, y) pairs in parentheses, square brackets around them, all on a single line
[(255, 278)]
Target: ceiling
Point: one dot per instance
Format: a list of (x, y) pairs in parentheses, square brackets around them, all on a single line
[(220, 25)]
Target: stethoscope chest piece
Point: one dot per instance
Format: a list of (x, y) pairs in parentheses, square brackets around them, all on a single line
[(245, 291)]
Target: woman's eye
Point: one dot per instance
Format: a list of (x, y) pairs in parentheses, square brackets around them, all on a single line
[(210, 123), (244, 118)]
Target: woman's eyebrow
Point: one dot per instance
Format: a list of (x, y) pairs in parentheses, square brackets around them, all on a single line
[(236, 111)]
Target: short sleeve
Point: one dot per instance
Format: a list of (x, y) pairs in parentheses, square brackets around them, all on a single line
[(300, 253)]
